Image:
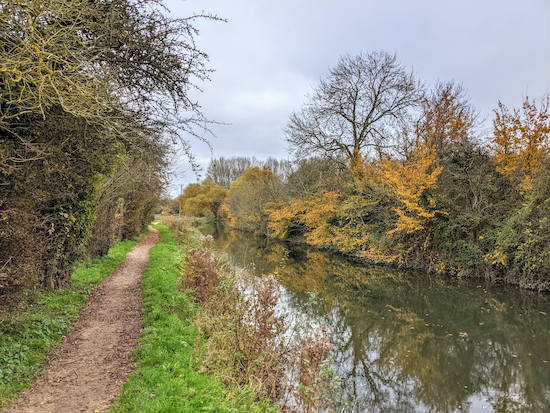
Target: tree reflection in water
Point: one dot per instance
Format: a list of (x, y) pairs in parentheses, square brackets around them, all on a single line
[(406, 341)]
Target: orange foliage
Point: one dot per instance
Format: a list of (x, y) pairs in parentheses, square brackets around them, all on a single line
[(318, 212), (448, 117), (315, 212), (281, 218), (329, 219), (332, 218), (521, 139), (224, 212)]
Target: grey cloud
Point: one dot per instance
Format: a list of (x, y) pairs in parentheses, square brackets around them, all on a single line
[(270, 52)]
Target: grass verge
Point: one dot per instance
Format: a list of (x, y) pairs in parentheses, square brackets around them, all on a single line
[(169, 375), (29, 333)]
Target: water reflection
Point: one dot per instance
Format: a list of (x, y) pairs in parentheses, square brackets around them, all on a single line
[(409, 342)]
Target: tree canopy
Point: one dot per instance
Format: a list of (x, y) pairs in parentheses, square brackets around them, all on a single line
[(358, 109), (117, 64)]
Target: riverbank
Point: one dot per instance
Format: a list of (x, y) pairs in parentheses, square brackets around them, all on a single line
[(243, 338), (407, 338), (365, 258), (170, 376), (416, 261)]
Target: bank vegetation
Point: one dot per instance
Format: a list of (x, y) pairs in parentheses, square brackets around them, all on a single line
[(93, 105), (390, 171), (247, 339)]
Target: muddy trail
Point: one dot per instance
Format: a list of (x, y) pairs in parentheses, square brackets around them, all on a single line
[(87, 369)]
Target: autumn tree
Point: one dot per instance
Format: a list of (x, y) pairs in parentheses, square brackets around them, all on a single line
[(521, 150), (100, 61), (199, 198), (451, 123), (248, 197), (448, 118), (357, 109), (521, 140), (411, 183)]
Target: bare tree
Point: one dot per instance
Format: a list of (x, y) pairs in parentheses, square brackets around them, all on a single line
[(313, 175), (280, 167), (357, 110), (223, 170)]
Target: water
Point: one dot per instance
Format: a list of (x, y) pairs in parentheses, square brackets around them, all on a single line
[(410, 342)]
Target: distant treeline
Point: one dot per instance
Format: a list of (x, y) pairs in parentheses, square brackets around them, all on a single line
[(93, 97), (393, 172)]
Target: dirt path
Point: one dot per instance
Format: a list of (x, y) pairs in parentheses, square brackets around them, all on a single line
[(87, 369)]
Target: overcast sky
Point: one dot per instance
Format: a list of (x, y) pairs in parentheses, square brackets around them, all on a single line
[(270, 53)]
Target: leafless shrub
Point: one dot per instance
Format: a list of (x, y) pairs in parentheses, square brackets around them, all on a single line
[(250, 343), (201, 274)]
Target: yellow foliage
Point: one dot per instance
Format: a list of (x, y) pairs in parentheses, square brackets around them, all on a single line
[(250, 176), (281, 218), (249, 196), (448, 117), (409, 183), (314, 212), (318, 211), (197, 198), (521, 139), (224, 212), (329, 218)]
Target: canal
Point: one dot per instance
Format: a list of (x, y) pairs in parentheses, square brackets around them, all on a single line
[(411, 342)]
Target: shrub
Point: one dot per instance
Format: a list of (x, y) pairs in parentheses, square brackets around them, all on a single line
[(249, 342), (201, 271)]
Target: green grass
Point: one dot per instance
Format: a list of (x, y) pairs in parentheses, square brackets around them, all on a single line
[(29, 333), (169, 377)]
